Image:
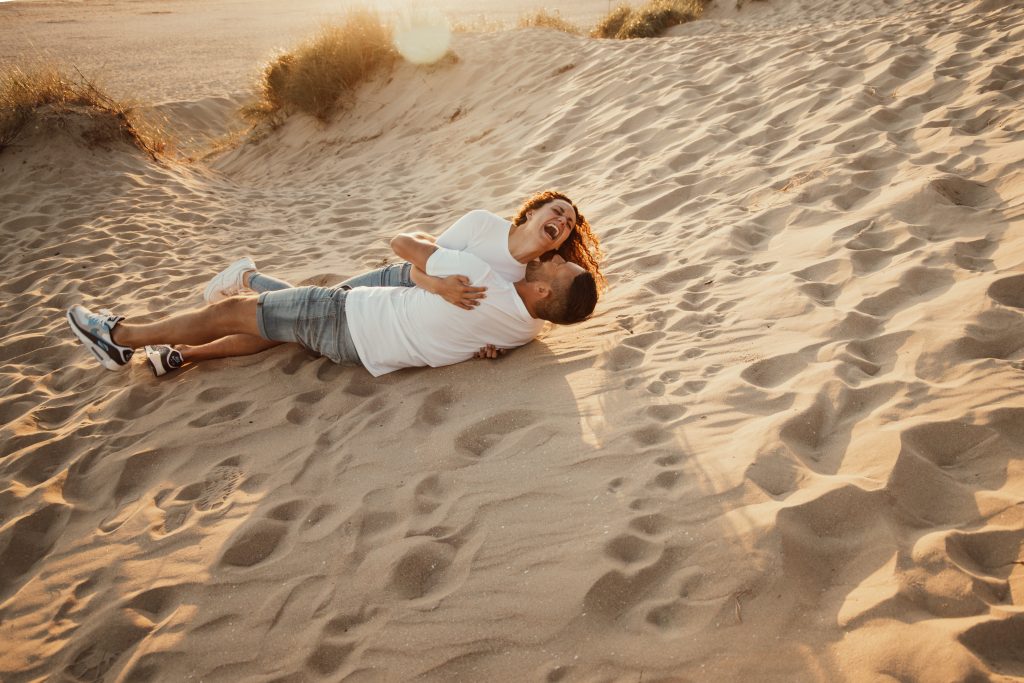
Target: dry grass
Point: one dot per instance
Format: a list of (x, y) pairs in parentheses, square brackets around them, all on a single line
[(649, 20), (44, 92), (479, 24), (545, 19), (320, 76)]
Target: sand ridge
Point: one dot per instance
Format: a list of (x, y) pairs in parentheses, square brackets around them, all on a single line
[(787, 448)]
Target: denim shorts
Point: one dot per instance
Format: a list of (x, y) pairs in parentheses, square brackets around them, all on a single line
[(311, 316), (393, 275)]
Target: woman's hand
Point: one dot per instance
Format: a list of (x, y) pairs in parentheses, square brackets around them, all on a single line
[(490, 352), (456, 289)]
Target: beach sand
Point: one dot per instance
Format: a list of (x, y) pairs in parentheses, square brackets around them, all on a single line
[(788, 446)]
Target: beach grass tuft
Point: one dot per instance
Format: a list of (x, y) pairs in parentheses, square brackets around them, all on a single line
[(46, 92), (320, 76), (542, 18), (649, 20)]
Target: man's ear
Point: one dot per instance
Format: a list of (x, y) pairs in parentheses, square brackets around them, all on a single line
[(543, 289)]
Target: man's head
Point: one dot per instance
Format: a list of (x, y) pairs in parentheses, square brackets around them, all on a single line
[(564, 292)]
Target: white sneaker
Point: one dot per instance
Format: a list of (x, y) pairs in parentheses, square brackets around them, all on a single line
[(228, 282)]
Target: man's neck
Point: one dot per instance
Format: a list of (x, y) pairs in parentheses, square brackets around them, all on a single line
[(529, 297)]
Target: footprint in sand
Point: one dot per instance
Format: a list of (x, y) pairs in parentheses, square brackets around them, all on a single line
[(992, 560), (218, 485), (422, 569), (1008, 291), (630, 550), (618, 591), (104, 649), (488, 433), (776, 474), (430, 493), (875, 355), (256, 542), (302, 412), (996, 642), (261, 538), (771, 372), (836, 538), (226, 413), (996, 333), (29, 540), (436, 407), (341, 641), (210, 494), (974, 255), (915, 284), (961, 191), (651, 435), (818, 435), (674, 280)]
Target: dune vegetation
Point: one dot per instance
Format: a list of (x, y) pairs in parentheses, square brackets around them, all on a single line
[(320, 75), (649, 20), (47, 93), (542, 18)]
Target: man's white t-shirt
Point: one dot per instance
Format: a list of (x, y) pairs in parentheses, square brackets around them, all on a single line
[(484, 235), (400, 327)]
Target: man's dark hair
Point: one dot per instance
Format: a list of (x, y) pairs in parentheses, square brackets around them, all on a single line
[(570, 304)]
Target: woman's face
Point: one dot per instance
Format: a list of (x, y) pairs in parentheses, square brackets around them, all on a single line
[(548, 226)]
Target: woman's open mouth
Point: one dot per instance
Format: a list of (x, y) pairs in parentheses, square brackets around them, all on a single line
[(552, 231)]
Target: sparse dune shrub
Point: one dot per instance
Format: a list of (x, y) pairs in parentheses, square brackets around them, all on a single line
[(545, 19), (44, 92), (320, 75), (479, 24), (649, 20), (611, 23)]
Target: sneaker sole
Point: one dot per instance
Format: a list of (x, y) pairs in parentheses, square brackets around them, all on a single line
[(87, 341)]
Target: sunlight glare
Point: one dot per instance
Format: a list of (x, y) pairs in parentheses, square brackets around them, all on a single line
[(422, 35)]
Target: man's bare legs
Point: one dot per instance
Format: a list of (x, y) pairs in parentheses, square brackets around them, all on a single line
[(246, 344), (234, 316), (225, 347)]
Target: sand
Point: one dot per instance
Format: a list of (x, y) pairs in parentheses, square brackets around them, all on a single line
[(787, 448)]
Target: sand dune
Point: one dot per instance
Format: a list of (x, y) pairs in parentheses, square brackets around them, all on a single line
[(787, 448)]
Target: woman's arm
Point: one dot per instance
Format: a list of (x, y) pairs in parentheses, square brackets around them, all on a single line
[(455, 289), (414, 249)]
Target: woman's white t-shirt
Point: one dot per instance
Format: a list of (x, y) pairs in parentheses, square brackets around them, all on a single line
[(485, 236)]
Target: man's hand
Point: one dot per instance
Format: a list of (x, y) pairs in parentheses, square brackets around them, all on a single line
[(456, 289), (489, 352)]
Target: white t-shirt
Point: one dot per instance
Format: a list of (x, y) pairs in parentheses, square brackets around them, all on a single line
[(484, 235), (400, 327)]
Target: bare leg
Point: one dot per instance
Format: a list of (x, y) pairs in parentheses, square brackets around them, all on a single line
[(236, 315), (226, 347)]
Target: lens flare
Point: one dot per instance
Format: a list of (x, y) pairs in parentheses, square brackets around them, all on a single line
[(422, 35)]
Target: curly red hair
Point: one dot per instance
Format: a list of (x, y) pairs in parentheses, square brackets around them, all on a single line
[(582, 247)]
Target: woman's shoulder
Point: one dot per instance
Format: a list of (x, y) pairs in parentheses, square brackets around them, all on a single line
[(487, 216)]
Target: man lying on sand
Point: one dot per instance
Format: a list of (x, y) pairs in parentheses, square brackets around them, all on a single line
[(384, 328)]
